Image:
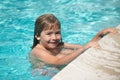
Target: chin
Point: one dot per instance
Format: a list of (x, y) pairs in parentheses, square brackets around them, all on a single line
[(52, 47)]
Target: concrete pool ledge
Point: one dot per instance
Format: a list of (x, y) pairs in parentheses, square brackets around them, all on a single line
[(95, 64)]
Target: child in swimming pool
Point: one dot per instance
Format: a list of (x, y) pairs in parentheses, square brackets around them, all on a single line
[(48, 47)]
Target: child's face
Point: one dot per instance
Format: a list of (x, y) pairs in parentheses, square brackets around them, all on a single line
[(50, 38)]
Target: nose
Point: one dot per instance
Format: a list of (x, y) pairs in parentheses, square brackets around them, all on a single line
[(54, 36)]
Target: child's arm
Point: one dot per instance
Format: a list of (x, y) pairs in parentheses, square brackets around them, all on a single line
[(54, 59), (72, 46)]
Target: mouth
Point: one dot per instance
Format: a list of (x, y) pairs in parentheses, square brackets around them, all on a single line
[(54, 43)]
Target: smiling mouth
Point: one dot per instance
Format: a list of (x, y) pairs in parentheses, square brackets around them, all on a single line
[(54, 43)]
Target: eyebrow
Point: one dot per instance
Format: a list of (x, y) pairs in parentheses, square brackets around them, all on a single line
[(52, 31)]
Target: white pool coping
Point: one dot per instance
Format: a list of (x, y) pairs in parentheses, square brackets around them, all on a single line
[(95, 64)]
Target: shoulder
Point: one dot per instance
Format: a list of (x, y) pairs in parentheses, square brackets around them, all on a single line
[(36, 51)]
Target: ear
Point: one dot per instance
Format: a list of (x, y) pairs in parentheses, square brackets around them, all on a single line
[(38, 38)]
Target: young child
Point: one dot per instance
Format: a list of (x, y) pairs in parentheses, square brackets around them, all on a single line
[(48, 48)]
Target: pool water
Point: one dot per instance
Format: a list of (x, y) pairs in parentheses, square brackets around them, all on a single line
[(80, 21)]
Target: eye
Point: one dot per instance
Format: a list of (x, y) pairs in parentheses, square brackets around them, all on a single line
[(49, 33), (58, 32)]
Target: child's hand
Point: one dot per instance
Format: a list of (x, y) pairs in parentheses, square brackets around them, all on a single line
[(110, 30)]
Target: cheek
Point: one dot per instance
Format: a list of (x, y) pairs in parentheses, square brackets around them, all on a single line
[(59, 37), (44, 38)]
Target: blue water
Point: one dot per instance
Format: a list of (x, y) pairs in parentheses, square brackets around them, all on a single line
[(80, 20)]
